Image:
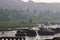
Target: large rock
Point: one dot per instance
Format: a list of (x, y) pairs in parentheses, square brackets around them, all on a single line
[(26, 32), (46, 32)]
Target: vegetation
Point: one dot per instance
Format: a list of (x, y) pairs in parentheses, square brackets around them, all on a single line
[(22, 18), (7, 26), (14, 19)]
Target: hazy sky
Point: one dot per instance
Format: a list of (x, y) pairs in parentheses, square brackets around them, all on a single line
[(45, 1)]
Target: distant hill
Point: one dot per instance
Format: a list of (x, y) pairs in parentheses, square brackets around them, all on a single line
[(19, 11)]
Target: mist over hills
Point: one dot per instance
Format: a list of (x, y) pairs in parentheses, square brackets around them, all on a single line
[(18, 4), (37, 12)]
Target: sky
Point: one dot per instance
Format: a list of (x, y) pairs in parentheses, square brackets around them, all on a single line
[(49, 1)]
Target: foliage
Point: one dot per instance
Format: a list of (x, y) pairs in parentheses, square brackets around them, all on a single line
[(14, 25), (25, 18)]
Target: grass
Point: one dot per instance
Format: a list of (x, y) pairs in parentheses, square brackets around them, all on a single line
[(6, 26)]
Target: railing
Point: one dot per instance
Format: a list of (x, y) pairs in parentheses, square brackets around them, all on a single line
[(12, 38)]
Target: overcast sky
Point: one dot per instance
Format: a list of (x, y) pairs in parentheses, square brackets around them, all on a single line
[(49, 1)]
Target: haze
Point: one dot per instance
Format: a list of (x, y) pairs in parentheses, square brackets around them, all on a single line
[(49, 1)]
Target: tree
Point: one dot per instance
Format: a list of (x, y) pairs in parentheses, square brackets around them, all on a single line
[(30, 21)]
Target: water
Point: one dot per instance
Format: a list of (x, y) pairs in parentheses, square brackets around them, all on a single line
[(12, 33)]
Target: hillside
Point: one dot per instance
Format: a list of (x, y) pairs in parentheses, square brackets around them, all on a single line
[(19, 11)]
